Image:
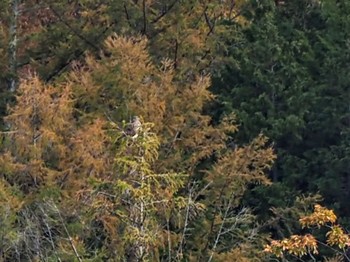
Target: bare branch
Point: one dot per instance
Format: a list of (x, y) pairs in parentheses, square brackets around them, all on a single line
[(67, 233), (189, 201), (60, 17), (207, 20), (50, 234), (144, 17), (164, 12)]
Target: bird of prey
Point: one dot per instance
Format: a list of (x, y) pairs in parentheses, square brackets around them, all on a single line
[(134, 127)]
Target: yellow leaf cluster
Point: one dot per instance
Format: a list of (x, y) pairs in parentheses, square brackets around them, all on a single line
[(301, 245), (319, 217), (337, 237), (296, 245)]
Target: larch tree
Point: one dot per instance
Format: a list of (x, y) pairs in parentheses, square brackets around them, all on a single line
[(45, 161), (125, 82), (83, 183)]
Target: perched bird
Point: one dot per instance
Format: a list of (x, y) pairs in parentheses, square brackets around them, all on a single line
[(134, 127)]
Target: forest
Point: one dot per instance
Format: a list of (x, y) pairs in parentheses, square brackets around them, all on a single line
[(175, 130)]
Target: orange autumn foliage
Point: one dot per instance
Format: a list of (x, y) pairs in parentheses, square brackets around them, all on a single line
[(302, 245)]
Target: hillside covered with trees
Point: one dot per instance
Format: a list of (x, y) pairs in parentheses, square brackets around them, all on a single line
[(175, 130)]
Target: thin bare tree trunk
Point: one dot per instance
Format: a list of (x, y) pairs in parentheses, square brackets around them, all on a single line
[(67, 233), (184, 232), (13, 45)]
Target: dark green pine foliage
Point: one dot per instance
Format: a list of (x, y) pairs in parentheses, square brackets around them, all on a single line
[(288, 77), (4, 56), (329, 138)]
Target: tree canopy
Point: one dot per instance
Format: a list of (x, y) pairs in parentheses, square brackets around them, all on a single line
[(144, 130)]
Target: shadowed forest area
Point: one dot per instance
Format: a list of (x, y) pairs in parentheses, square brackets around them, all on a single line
[(175, 130)]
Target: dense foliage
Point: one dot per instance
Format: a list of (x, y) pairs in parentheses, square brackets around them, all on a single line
[(145, 130)]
